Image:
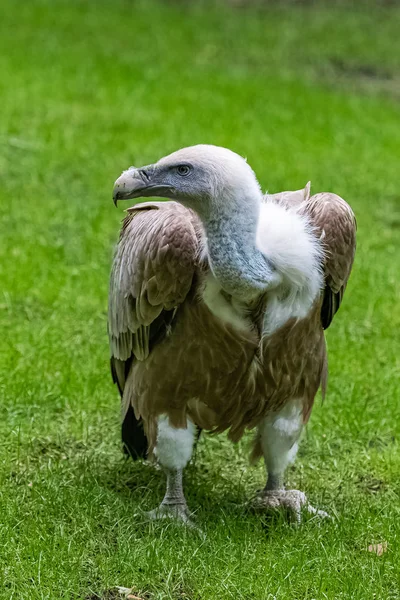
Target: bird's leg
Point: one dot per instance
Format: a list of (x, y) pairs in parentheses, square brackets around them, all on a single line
[(279, 435), (173, 450), (174, 502)]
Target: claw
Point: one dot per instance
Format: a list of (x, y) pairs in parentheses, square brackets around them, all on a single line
[(179, 512), (293, 502), (176, 512)]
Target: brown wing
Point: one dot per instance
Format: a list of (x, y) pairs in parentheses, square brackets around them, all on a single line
[(336, 224), (152, 274)]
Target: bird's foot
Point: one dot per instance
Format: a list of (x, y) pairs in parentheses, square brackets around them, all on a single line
[(178, 512), (293, 502)]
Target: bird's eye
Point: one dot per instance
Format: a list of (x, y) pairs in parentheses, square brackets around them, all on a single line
[(183, 170)]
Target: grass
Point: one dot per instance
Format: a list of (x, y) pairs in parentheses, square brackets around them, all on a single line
[(88, 88)]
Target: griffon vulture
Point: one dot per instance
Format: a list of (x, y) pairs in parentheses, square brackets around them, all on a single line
[(218, 303)]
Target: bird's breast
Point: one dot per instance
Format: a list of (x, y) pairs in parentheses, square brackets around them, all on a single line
[(224, 307)]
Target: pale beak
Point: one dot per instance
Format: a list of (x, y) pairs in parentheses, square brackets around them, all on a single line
[(136, 183)]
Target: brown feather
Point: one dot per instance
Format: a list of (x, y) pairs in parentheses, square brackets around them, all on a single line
[(336, 223)]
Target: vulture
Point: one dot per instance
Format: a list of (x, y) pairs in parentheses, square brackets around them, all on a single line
[(219, 298)]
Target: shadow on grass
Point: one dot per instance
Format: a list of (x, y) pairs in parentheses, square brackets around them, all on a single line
[(128, 478)]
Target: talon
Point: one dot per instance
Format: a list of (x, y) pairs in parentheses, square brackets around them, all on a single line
[(176, 512), (317, 513), (294, 502)]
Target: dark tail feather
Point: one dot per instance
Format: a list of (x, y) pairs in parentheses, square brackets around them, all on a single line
[(133, 437)]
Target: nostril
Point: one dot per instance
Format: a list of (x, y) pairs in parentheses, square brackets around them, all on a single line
[(144, 174)]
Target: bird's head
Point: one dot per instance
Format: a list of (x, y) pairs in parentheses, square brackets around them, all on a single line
[(203, 178)]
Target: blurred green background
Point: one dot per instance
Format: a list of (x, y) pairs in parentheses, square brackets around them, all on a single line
[(304, 91)]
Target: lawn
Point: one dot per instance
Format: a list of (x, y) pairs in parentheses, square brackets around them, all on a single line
[(87, 89)]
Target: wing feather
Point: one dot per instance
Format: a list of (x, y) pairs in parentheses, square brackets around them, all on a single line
[(152, 274), (336, 224)]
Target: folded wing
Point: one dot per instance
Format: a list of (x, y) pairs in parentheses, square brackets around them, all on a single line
[(152, 274), (336, 224)]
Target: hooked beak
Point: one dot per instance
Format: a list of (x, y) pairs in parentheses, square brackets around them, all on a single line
[(136, 183)]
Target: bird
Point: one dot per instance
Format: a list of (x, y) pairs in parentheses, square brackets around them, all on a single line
[(218, 301)]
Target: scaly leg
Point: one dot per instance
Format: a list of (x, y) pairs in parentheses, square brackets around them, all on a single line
[(279, 434), (173, 450)]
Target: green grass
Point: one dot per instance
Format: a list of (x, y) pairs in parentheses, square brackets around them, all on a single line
[(88, 88)]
